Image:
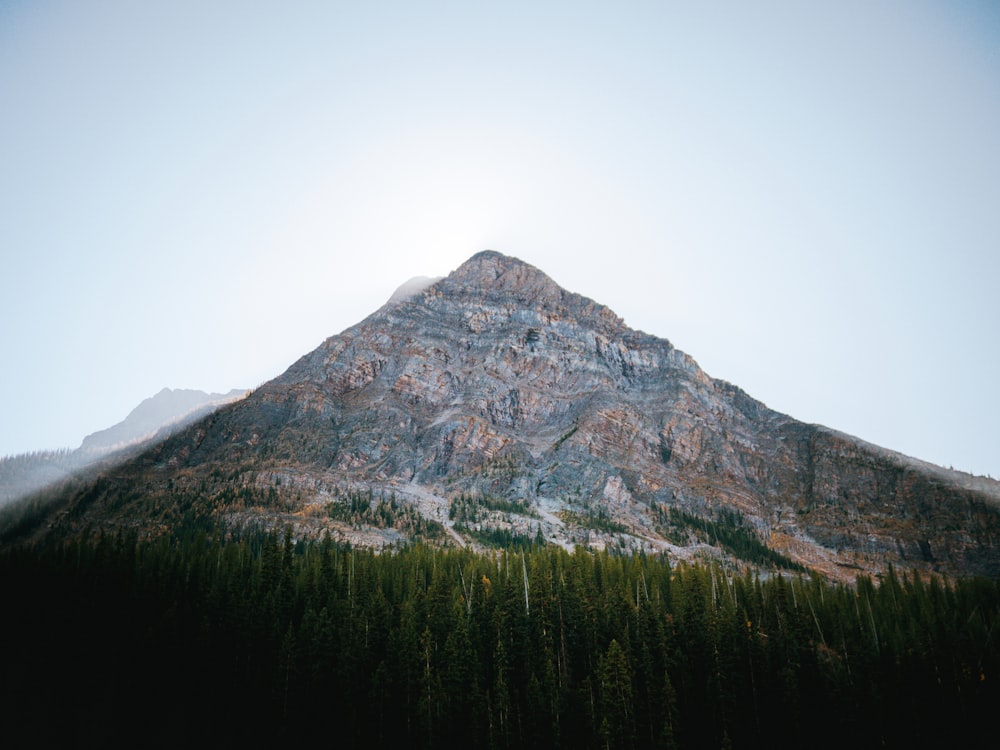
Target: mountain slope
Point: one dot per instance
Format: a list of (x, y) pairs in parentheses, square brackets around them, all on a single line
[(168, 408), (155, 418), (494, 404)]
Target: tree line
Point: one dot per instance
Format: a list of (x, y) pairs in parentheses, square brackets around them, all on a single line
[(259, 639)]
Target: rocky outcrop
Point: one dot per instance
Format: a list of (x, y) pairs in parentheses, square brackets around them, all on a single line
[(496, 383)]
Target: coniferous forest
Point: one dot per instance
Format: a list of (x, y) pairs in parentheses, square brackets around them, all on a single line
[(263, 640)]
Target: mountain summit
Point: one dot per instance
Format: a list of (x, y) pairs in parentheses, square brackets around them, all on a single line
[(493, 405)]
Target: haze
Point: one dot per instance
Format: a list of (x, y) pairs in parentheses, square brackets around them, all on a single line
[(802, 196)]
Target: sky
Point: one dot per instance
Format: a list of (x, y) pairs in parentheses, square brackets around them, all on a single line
[(803, 196)]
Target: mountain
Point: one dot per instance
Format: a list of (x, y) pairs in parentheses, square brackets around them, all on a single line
[(492, 406), (170, 408), (155, 418)]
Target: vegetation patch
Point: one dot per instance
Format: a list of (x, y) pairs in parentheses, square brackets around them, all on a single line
[(473, 508), (500, 538), (728, 530), (564, 437), (364, 509), (598, 520)]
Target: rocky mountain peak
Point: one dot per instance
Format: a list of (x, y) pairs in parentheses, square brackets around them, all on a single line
[(494, 402), (490, 278), (492, 275), (490, 268)]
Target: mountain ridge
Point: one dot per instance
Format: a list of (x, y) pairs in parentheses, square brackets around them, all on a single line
[(153, 419), (496, 389), (168, 407)]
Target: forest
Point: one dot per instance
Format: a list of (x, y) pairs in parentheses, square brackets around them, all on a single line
[(262, 639)]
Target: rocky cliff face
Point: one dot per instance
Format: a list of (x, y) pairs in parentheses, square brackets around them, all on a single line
[(495, 401)]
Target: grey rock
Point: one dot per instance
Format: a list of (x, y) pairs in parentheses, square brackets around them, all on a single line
[(494, 382)]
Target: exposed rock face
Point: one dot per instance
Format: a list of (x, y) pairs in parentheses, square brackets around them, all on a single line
[(495, 382)]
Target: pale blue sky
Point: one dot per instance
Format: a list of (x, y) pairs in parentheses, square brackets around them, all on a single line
[(804, 196)]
